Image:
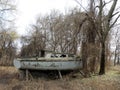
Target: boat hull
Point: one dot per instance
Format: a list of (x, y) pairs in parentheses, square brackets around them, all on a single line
[(48, 65)]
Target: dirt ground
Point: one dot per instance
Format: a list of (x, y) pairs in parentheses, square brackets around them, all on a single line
[(110, 81)]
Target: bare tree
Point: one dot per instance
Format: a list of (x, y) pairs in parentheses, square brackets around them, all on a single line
[(103, 22), (104, 28), (117, 48), (56, 32), (7, 48)]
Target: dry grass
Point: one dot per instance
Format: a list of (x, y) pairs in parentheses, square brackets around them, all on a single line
[(111, 81)]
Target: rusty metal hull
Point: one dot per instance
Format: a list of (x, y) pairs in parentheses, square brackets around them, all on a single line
[(48, 65)]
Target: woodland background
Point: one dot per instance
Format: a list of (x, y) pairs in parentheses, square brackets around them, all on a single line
[(91, 33)]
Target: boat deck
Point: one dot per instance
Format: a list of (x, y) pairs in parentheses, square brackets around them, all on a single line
[(49, 59)]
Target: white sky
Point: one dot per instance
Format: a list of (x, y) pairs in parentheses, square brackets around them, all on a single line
[(29, 9)]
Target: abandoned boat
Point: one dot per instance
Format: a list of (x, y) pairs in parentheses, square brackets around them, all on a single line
[(49, 62)]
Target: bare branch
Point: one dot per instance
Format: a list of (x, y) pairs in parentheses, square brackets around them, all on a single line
[(115, 14), (112, 10), (6, 9), (114, 21), (81, 5)]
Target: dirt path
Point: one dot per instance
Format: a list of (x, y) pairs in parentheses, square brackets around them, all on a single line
[(111, 81)]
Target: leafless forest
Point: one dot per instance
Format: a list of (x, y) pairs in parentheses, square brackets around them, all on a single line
[(91, 33)]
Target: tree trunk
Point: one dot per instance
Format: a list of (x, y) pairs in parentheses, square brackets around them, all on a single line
[(84, 58), (118, 60), (102, 60), (115, 55), (115, 59)]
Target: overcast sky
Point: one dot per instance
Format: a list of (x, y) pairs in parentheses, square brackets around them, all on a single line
[(29, 9)]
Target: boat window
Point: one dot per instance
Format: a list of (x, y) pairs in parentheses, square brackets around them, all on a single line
[(52, 56), (63, 55)]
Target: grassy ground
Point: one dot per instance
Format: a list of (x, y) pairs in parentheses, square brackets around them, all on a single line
[(111, 81)]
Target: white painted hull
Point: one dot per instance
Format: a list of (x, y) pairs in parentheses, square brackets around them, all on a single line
[(48, 64)]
